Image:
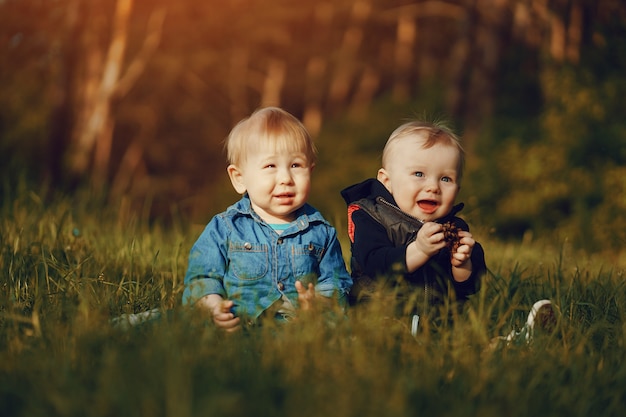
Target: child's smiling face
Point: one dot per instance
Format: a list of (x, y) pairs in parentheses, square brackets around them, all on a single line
[(423, 181), (277, 181)]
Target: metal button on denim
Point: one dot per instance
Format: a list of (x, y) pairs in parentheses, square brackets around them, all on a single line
[(281, 286)]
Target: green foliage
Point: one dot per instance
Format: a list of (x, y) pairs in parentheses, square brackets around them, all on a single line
[(67, 267), (71, 257), (565, 170), (546, 151)]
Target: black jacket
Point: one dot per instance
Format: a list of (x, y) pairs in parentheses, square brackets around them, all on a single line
[(380, 233)]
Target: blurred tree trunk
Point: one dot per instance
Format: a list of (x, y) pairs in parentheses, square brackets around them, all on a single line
[(238, 82), (316, 68), (62, 114), (346, 65), (406, 35), (274, 82), (460, 62), (574, 33), (94, 126), (365, 93), (490, 38), (556, 27), (99, 81), (131, 164), (314, 94)]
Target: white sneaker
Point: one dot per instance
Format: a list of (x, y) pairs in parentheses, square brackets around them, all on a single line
[(541, 318), (126, 321), (415, 321)]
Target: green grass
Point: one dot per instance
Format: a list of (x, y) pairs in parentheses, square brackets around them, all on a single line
[(67, 267)]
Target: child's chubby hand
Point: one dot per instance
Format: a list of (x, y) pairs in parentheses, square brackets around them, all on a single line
[(430, 239), (220, 310), (306, 295), (463, 253), (309, 300)]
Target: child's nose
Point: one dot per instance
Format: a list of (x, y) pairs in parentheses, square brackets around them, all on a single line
[(432, 184), (284, 176)]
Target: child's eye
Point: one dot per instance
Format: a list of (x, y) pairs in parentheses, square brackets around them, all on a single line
[(299, 163), (418, 174), (270, 166), (446, 179)]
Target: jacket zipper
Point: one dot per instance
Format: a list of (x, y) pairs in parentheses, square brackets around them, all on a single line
[(408, 216), (396, 208)]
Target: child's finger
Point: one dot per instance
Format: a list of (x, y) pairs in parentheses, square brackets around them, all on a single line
[(224, 316), (229, 324), (302, 290), (226, 305), (431, 228), (459, 258)]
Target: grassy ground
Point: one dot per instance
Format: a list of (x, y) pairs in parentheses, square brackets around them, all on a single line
[(67, 268)]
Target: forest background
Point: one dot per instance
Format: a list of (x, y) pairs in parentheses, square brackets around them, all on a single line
[(112, 119), (133, 98)]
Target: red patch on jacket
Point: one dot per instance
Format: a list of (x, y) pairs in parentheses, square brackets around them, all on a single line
[(351, 209)]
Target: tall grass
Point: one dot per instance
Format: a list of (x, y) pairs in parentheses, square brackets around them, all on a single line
[(68, 266)]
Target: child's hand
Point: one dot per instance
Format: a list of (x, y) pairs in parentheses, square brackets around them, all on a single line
[(306, 295), (430, 239), (220, 311), (461, 259), (428, 242), (464, 251)]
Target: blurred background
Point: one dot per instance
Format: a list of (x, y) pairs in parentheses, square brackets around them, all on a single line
[(133, 99)]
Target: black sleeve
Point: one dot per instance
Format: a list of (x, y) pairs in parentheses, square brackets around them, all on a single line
[(372, 248), (479, 269)]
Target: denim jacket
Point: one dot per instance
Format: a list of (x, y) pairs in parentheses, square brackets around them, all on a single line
[(241, 258)]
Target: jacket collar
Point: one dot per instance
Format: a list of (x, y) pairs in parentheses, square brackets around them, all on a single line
[(304, 215), (370, 188)]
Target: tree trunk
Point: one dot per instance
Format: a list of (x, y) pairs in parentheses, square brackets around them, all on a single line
[(92, 140), (100, 83), (345, 67), (274, 81), (238, 82), (316, 68), (406, 35), (62, 117)]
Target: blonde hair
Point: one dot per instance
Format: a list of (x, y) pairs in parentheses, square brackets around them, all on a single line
[(435, 133), (269, 126)]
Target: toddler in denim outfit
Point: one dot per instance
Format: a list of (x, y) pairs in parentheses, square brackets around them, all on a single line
[(270, 253)]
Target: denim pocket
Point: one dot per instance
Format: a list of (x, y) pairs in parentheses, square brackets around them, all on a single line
[(248, 261), (305, 260)]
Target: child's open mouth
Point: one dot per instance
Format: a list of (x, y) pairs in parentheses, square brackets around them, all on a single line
[(428, 206), (284, 196)]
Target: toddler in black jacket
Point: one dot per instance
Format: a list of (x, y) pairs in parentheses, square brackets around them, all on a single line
[(404, 232)]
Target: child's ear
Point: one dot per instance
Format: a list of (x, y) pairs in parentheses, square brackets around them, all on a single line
[(384, 178), (236, 178)]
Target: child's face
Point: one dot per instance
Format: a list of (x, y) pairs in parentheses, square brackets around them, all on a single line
[(424, 182), (277, 182)]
